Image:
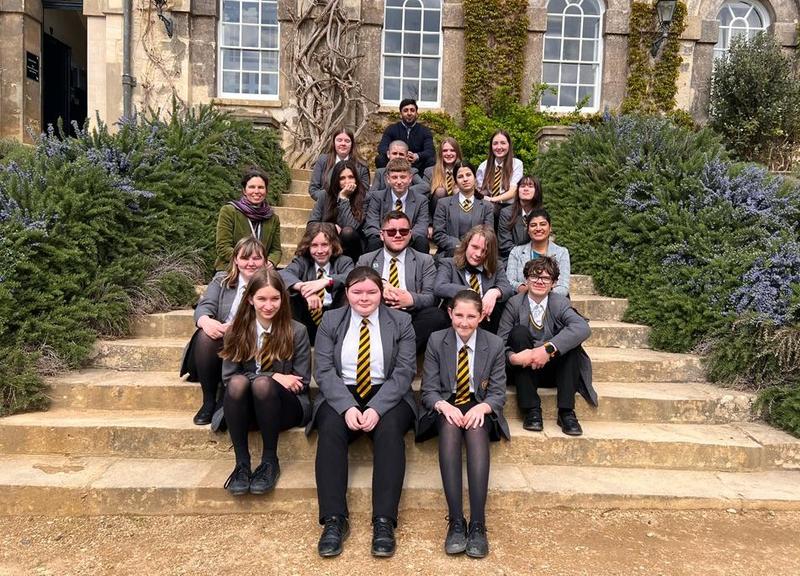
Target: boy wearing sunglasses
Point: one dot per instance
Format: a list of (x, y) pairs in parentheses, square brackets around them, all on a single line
[(543, 335), (408, 276), (398, 196)]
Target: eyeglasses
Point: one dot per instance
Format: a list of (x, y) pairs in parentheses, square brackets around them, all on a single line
[(539, 279), (402, 232)]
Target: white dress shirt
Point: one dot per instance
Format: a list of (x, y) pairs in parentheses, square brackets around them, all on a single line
[(350, 349), (327, 300), (240, 288), (538, 310)]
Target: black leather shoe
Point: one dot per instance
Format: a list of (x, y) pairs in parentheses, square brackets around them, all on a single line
[(265, 476), (477, 544), (218, 420), (569, 423), (238, 483), (533, 420), (334, 533), (203, 415), (383, 543), (456, 540)]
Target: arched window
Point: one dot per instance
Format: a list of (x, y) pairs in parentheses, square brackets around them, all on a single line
[(739, 17), (412, 51), (573, 54), (249, 51)]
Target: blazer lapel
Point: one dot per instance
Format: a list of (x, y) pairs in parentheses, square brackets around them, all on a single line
[(411, 205), (341, 330), (411, 271), (449, 351), (387, 328)]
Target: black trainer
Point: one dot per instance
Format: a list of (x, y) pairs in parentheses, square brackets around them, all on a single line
[(456, 540), (335, 531), (265, 476), (383, 542), (238, 483), (477, 543)]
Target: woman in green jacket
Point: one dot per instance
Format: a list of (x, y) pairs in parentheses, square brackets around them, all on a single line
[(250, 215)]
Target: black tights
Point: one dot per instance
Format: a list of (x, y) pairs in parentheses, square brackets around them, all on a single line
[(272, 405), (208, 365), (451, 439), (352, 243)]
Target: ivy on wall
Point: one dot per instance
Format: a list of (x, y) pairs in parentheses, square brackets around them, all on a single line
[(652, 83), (495, 34)]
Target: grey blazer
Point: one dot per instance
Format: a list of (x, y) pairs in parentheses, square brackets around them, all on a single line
[(320, 179), (399, 361), (301, 269), (439, 371), (418, 185), (344, 216), (506, 238), (445, 220), (420, 274), (381, 203), (520, 255), (450, 280), (299, 364), (563, 326)]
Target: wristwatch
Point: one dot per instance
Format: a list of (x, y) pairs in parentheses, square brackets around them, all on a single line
[(550, 349)]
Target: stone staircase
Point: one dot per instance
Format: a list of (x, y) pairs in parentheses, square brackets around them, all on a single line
[(119, 438)]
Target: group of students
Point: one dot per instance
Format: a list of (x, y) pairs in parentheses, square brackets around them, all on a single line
[(369, 313)]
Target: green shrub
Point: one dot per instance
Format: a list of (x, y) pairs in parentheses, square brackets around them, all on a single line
[(781, 407), (755, 101)]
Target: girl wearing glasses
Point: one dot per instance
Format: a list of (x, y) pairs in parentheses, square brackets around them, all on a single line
[(540, 245), (512, 226), (457, 214), (266, 369), (543, 335), (463, 391)]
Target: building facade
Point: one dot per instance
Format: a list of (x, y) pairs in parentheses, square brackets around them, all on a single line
[(64, 58)]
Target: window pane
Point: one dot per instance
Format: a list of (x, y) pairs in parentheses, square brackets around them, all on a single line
[(430, 44), (394, 3), (591, 27), (566, 96), (250, 83), (230, 82), (589, 50), (573, 10), (571, 48), (739, 9), (586, 74), (413, 20), (550, 73), (431, 21), (569, 74), (231, 59), (591, 7), (552, 49), (250, 60), (411, 89), (430, 90), (432, 4), (250, 36), (269, 37), (250, 12), (230, 11), (394, 19), (269, 61), (393, 42), (754, 20), (391, 66), (269, 84), (549, 99), (230, 34), (572, 27), (269, 12), (411, 45), (410, 67), (554, 25), (583, 92), (430, 68), (724, 42), (391, 89), (556, 6)]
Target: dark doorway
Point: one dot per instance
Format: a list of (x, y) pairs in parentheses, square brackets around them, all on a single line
[(56, 83)]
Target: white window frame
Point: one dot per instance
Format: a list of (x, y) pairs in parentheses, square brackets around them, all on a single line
[(720, 49), (425, 6), (594, 105), (221, 46)]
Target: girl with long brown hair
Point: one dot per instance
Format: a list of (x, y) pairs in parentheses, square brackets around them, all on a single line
[(341, 148), (266, 370), (498, 175), (442, 176), (512, 228)]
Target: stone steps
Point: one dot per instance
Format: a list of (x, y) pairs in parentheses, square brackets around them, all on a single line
[(81, 486), (169, 434), (665, 402)]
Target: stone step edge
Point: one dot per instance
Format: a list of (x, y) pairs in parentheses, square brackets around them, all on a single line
[(60, 486)]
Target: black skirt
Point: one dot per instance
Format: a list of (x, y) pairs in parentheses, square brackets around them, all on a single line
[(428, 427)]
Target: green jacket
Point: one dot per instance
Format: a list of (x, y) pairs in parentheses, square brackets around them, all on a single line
[(232, 226)]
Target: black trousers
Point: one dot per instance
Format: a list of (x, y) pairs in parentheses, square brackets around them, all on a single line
[(301, 313), (426, 321), (561, 372), (388, 461)]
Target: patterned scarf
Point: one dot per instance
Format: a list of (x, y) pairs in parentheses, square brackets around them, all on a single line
[(255, 213)]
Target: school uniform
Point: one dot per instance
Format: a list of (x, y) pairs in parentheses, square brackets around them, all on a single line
[(522, 327), (418, 184), (392, 368), (452, 221), (521, 255), (321, 179), (509, 237), (413, 205), (487, 378), (416, 274)]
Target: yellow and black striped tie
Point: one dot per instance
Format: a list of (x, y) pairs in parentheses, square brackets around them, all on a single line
[(475, 284), (363, 379), (498, 180), (462, 377), (394, 275), (466, 205), (266, 366), (449, 183), (316, 314), (398, 205)]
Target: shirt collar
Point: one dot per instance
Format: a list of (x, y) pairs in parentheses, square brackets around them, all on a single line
[(470, 342), (374, 318), (401, 257), (326, 268), (532, 303), (260, 330)]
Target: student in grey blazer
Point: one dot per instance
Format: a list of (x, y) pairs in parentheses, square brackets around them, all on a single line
[(266, 370), (543, 335), (342, 147), (399, 149), (463, 393), (457, 214), (477, 267), (540, 244), (512, 227), (412, 290), (213, 316), (398, 197), (364, 364), (315, 277)]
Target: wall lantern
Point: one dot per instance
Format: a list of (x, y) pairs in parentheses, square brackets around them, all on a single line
[(169, 25), (665, 10)]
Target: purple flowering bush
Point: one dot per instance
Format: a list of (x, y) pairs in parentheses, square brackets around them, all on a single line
[(96, 227)]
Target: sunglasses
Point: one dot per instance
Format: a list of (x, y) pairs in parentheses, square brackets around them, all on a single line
[(402, 232)]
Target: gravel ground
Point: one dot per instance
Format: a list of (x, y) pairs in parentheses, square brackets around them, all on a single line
[(538, 542)]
